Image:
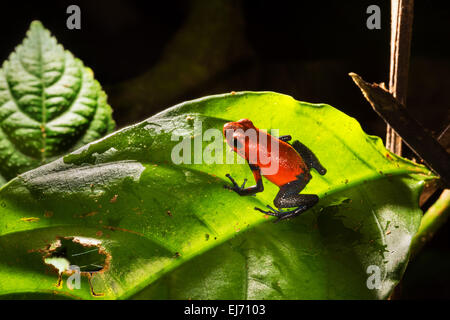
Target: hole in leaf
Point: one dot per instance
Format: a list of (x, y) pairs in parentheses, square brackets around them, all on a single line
[(85, 253)]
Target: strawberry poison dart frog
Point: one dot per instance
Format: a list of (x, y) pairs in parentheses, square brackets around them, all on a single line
[(293, 164)]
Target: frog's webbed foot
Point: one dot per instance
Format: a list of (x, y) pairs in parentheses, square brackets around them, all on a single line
[(242, 190), (283, 215), (235, 187)]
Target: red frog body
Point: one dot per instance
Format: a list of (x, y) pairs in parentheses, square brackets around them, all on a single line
[(287, 166)]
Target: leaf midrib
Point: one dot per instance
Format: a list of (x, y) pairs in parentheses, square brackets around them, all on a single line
[(43, 107), (341, 187)]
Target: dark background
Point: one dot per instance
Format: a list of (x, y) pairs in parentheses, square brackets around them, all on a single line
[(153, 54)]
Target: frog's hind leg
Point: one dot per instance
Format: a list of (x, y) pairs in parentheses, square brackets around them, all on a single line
[(289, 197), (303, 202), (309, 157)]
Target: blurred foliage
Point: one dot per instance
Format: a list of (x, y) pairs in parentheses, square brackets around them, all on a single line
[(210, 40)]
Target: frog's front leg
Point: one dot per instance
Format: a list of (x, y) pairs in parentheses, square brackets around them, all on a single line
[(285, 138), (241, 190), (289, 197)]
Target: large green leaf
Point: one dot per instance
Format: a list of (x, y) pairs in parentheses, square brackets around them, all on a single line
[(173, 231), (50, 104)]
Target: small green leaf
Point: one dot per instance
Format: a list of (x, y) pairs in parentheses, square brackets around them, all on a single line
[(173, 232), (50, 104)]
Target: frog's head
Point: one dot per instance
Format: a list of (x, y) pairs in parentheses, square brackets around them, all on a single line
[(239, 136)]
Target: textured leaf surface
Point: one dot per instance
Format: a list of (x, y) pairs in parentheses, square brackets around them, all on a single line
[(173, 231), (50, 104)]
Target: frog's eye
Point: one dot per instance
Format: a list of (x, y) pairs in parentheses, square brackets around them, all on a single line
[(236, 143)]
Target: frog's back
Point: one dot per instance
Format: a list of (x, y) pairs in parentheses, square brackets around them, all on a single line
[(290, 164)]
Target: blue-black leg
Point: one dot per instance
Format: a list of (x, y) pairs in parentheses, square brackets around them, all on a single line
[(309, 157), (241, 190), (285, 138), (289, 197)]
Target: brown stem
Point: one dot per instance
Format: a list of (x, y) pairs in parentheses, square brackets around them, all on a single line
[(401, 30)]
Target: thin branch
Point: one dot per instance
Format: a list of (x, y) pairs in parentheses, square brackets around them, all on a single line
[(434, 185), (444, 138), (402, 12), (412, 132)]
